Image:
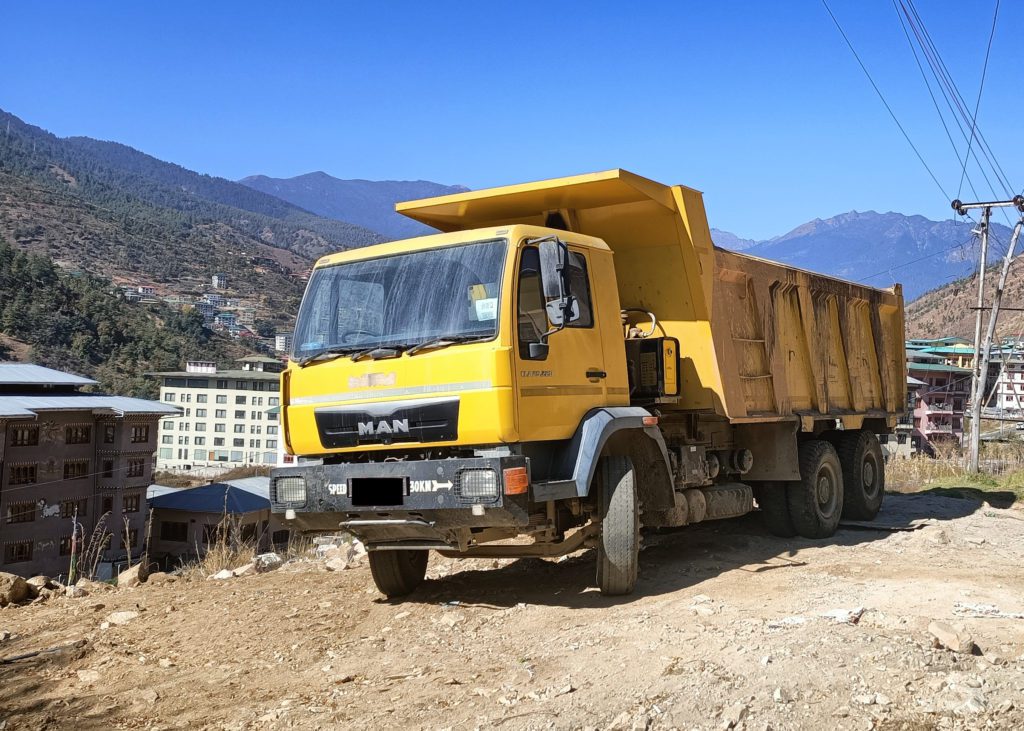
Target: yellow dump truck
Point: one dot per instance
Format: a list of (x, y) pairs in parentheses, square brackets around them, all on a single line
[(570, 361)]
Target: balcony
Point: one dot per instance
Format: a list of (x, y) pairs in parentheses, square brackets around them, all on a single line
[(938, 429)]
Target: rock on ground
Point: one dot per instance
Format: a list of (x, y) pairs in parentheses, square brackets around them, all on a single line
[(13, 589)]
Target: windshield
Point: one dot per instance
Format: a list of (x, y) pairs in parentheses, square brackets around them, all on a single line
[(402, 300)]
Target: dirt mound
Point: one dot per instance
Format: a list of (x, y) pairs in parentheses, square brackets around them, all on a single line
[(729, 628)]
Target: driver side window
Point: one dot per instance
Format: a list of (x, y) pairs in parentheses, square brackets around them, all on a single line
[(531, 317)]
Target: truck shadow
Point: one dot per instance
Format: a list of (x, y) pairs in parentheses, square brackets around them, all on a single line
[(674, 560)]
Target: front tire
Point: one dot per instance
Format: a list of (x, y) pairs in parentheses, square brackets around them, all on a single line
[(860, 454), (816, 501), (398, 573), (618, 550)]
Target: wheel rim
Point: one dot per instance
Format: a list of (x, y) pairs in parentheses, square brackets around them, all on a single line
[(825, 492), (869, 475)]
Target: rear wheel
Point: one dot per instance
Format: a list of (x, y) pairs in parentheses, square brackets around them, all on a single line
[(618, 550), (774, 504), (816, 501), (397, 573), (860, 454)]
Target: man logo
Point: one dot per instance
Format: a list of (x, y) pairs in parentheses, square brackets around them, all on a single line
[(395, 426)]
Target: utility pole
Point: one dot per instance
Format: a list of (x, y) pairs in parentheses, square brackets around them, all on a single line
[(982, 352)]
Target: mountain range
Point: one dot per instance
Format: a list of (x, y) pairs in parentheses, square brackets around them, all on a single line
[(367, 203), (877, 249)]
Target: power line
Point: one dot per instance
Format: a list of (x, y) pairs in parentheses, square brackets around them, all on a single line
[(881, 96), (981, 88)]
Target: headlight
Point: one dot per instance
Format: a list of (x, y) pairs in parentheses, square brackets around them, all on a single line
[(478, 485), (290, 489)]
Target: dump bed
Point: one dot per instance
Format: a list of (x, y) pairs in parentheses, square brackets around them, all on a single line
[(759, 341)]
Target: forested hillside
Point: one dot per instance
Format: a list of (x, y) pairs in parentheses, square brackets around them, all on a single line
[(82, 324)]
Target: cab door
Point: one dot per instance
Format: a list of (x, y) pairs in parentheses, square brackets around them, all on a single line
[(555, 391)]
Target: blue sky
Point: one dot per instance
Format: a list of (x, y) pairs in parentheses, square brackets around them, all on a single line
[(758, 104)]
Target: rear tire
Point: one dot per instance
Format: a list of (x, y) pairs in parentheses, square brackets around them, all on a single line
[(397, 573), (860, 454), (816, 501), (774, 504), (618, 549)]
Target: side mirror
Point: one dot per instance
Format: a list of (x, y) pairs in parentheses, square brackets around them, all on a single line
[(554, 270), (539, 351)]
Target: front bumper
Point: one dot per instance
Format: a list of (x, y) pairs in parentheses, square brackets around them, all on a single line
[(388, 502)]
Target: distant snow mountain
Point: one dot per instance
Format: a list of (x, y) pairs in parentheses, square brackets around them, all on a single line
[(366, 203), (876, 248)]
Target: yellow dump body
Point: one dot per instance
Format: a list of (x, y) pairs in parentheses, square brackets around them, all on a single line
[(759, 341)]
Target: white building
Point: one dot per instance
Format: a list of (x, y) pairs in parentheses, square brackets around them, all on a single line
[(219, 281), (229, 417), (283, 342), (1010, 386)]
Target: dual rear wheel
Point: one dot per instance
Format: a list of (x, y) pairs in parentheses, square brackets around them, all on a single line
[(840, 477)]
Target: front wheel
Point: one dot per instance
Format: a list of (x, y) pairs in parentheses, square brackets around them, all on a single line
[(618, 550), (397, 573)]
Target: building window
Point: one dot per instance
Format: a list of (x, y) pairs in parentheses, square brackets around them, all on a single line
[(137, 467), (256, 416), (241, 386), (166, 452), (271, 444), (238, 443), (77, 434), (239, 413), (185, 426), (221, 428), (221, 413), (271, 417), (131, 503), (140, 434), (271, 430), (21, 512), (257, 400), (200, 413), (218, 441), (222, 399), (68, 508), (108, 434), (236, 455), (200, 426), (18, 552), (239, 428), (76, 470), (65, 546), (255, 429), (167, 439), (239, 400), (199, 441), (273, 401), (108, 504), (254, 444), (168, 426), (22, 474), (201, 398), (222, 383), (169, 397), (25, 436), (186, 398), (174, 531)]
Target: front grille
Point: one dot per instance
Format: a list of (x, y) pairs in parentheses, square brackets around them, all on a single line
[(424, 421)]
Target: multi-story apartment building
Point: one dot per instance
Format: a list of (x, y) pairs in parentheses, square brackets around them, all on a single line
[(940, 400), (70, 457), (228, 417)]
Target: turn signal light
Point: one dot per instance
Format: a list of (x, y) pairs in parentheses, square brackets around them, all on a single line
[(517, 482), (650, 421)]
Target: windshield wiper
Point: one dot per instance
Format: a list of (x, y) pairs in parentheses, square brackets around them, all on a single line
[(443, 341), (386, 351), (324, 354)]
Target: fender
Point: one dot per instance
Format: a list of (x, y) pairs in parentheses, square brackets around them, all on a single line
[(579, 461)]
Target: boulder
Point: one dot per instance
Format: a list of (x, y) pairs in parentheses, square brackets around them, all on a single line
[(40, 582), (131, 577), (75, 592), (952, 637), (13, 589), (336, 563), (267, 562)]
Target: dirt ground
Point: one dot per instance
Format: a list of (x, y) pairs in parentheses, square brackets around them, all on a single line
[(730, 627)]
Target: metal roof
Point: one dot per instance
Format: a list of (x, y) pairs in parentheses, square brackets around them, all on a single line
[(30, 374), (216, 498), (257, 485), (29, 404)]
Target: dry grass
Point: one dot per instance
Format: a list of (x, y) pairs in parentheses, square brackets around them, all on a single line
[(1002, 470)]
